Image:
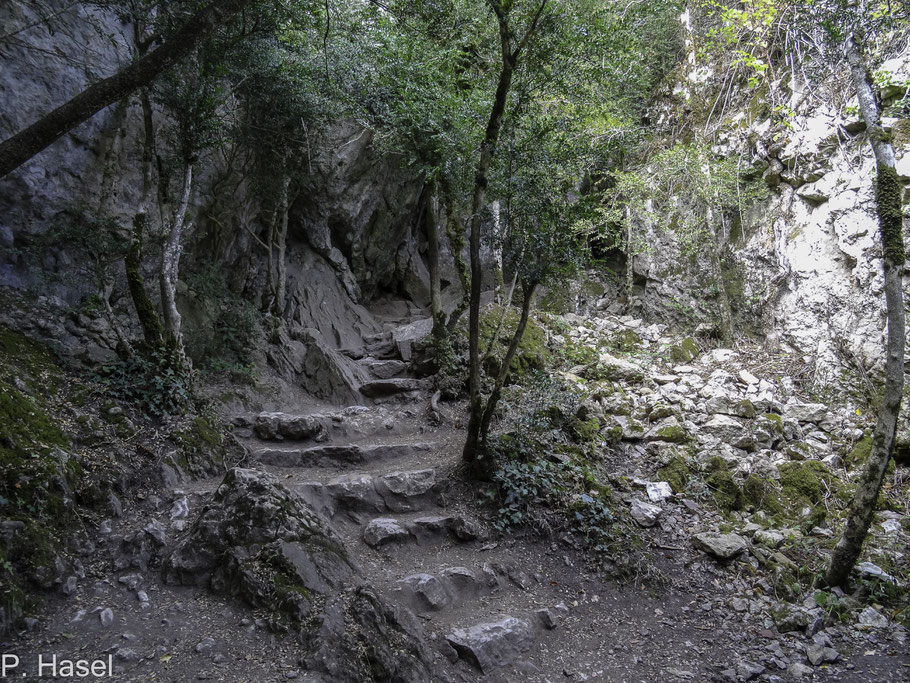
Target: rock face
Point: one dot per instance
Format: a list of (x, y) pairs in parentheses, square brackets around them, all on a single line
[(258, 540)]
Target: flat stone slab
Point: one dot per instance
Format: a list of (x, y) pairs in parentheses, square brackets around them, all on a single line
[(723, 546), (382, 531), (354, 454), (492, 645), (395, 385)]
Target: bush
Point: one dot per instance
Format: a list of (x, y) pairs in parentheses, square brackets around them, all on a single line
[(157, 380)]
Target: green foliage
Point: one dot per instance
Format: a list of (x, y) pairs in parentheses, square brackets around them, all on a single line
[(237, 325), (157, 380)]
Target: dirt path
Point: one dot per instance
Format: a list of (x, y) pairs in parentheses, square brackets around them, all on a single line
[(443, 563)]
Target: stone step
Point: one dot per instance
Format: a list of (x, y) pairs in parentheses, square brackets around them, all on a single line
[(389, 532), (384, 369), (336, 454), (350, 423), (406, 491), (397, 385), (450, 587)]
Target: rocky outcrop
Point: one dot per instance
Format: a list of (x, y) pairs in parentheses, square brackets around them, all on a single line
[(259, 541)]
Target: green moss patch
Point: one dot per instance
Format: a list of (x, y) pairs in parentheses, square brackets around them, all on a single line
[(687, 350), (626, 341), (727, 494), (805, 481), (676, 473), (532, 353)]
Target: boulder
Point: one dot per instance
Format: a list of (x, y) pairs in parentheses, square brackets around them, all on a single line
[(645, 513), (805, 412), (272, 426), (723, 546), (729, 431), (382, 531), (492, 645)]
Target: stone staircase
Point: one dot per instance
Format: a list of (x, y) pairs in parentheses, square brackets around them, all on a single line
[(384, 481)]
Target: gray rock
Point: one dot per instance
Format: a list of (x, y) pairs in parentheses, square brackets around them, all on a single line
[(872, 618), (548, 618), (768, 538), (422, 591), (70, 585), (645, 513), (616, 369), (805, 412), (384, 369), (492, 645), (205, 644), (382, 531), (255, 535), (396, 385), (723, 546), (818, 654), (106, 616), (156, 531), (273, 426), (748, 671), (405, 491), (728, 430), (789, 617)]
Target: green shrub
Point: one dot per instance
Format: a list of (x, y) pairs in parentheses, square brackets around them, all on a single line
[(157, 380)]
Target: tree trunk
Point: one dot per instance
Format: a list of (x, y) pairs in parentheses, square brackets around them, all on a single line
[(509, 60), (281, 242), (431, 218), (630, 256), (152, 331), (24, 145), (890, 220), (455, 233), (490, 409), (491, 135), (472, 441), (170, 263)]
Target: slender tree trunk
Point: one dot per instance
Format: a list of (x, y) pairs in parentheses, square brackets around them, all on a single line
[(281, 242), (152, 331), (509, 60), (493, 400), (455, 233), (431, 219), (890, 219), (494, 124), (170, 263), (24, 145), (630, 256)]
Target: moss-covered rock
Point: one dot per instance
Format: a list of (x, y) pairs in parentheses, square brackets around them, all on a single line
[(673, 433), (687, 350), (727, 494), (627, 341), (676, 473), (745, 408), (761, 494), (585, 431), (532, 353), (859, 454), (660, 411), (805, 482)]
